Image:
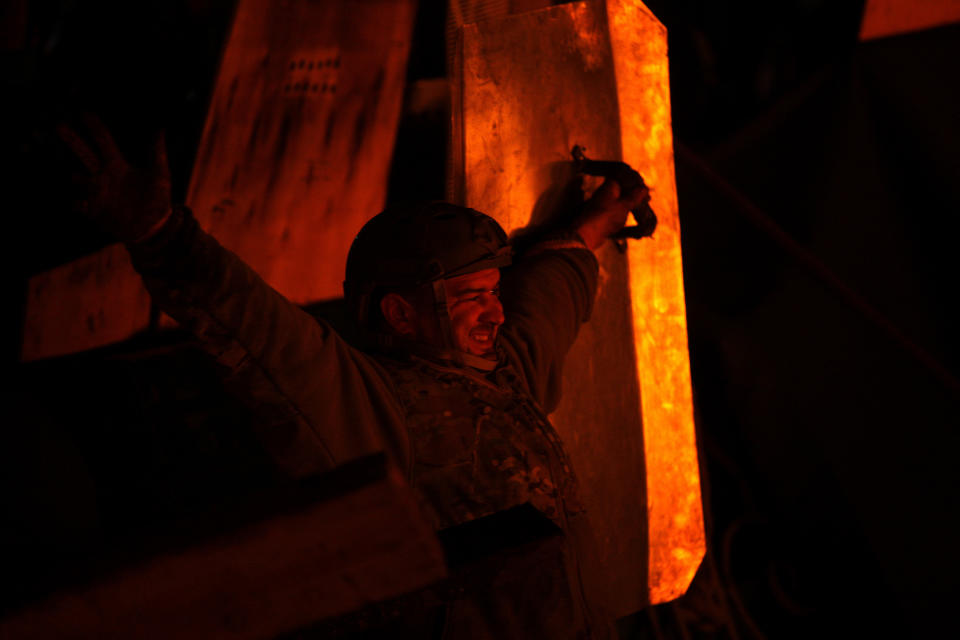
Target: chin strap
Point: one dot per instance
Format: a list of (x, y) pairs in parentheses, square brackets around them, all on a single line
[(402, 347), (477, 362), (442, 314), (452, 356)]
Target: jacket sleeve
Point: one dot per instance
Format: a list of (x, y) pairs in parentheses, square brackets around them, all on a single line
[(547, 294), (318, 401)]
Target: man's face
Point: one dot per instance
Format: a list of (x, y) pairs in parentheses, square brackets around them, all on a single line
[(475, 311), (473, 304)]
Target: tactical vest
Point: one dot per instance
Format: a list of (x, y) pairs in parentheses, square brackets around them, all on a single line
[(481, 445)]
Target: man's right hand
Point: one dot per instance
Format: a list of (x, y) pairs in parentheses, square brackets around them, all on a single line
[(130, 202), (605, 213)]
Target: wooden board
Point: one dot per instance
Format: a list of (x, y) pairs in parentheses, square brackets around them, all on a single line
[(294, 158), (304, 563), (527, 88), (297, 147), (96, 300)]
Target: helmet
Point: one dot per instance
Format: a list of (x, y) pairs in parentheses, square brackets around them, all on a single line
[(409, 246)]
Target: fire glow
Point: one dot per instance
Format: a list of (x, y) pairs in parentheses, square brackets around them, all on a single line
[(674, 510)]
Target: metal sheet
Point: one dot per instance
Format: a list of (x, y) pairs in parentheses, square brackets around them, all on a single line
[(293, 160), (674, 510), (527, 88)]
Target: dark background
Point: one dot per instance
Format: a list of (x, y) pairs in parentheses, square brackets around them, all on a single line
[(828, 448)]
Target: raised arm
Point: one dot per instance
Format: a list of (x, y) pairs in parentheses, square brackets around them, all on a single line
[(548, 293), (319, 402)]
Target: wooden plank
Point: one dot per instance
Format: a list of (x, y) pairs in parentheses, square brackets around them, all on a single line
[(310, 560), (96, 300), (526, 89), (298, 141), (294, 158)]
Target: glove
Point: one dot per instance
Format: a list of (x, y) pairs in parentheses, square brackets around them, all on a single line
[(132, 203)]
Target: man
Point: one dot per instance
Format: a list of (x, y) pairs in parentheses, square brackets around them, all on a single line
[(459, 371)]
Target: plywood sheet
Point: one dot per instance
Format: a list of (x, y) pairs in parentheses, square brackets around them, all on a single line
[(293, 160), (96, 300), (527, 88), (297, 147)]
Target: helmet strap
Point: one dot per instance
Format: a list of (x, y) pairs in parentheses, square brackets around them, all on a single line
[(400, 347), (442, 313)]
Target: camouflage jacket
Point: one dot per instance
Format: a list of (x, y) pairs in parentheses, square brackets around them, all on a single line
[(472, 444)]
